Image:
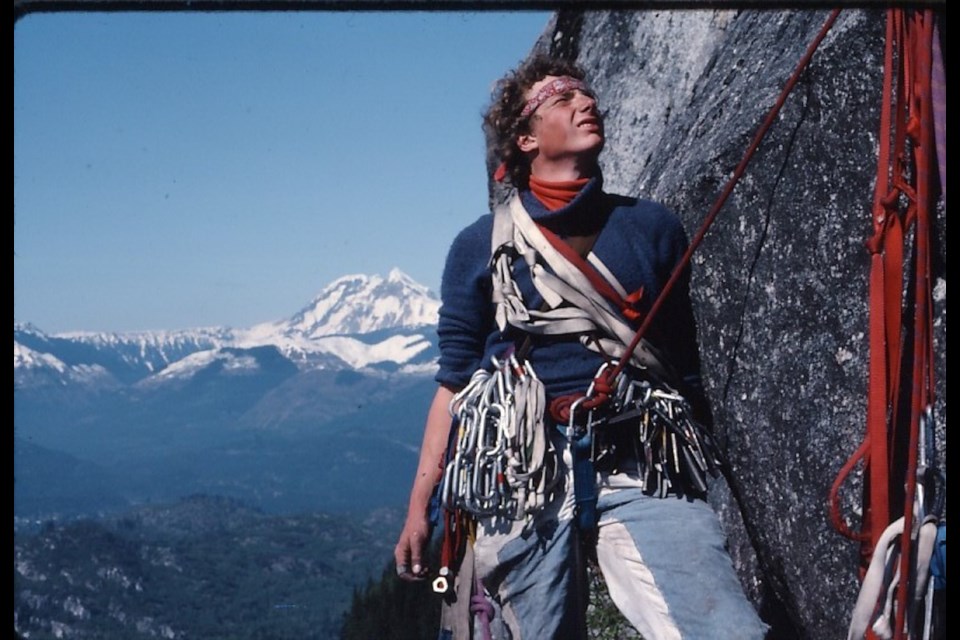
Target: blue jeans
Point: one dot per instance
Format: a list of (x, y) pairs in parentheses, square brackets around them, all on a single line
[(663, 559)]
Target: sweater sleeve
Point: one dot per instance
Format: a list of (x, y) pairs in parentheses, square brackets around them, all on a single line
[(466, 312)]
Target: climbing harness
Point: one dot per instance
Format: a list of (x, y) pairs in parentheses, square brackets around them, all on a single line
[(646, 423), (900, 477), (504, 464), (676, 454)]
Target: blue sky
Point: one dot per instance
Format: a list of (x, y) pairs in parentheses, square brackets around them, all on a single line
[(187, 169)]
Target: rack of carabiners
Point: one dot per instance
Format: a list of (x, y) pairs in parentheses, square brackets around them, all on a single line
[(673, 451), (502, 463)]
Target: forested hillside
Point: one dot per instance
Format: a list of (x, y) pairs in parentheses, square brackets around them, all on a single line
[(206, 568)]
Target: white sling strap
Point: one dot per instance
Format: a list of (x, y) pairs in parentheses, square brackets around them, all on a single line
[(586, 312), (607, 274), (875, 603)]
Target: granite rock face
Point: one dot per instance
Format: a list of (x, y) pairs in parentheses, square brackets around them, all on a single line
[(780, 283)]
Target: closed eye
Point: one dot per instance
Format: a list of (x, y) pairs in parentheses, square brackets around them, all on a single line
[(566, 96)]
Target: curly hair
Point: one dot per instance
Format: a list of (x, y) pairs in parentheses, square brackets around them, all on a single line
[(502, 123)]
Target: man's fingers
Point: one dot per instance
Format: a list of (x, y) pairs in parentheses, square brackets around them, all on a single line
[(416, 549), (410, 550), (400, 553)]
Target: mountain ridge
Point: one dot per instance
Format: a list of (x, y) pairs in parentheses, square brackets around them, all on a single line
[(335, 329)]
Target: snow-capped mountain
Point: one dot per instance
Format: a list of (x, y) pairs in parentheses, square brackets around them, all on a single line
[(360, 304), (252, 413), (125, 357), (361, 320), (356, 321), (43, 367)]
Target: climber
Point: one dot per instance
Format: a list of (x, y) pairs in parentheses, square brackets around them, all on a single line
[(540, 299)]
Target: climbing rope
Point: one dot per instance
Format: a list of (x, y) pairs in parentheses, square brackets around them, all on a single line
[(602, 386)]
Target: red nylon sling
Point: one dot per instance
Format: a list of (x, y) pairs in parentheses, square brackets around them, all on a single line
[(922, 136), (886, 260), (625, 305), (904, 197)]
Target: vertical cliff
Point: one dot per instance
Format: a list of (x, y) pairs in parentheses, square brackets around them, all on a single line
[(780, 283)]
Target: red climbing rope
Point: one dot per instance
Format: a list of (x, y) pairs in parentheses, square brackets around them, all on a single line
[(560, 407)]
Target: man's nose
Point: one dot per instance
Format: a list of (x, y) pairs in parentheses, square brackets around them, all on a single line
[(585, 101)]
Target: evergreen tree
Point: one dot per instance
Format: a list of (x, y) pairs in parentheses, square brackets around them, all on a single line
[(393, 609)]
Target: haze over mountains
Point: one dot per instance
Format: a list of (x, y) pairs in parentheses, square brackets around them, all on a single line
[(285, 415)]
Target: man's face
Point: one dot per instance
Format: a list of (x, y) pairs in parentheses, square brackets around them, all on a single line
[(565, 125)]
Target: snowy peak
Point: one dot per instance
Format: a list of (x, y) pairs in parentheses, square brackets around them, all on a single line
[(38, 368), (129, 356), (228, 362), (26, 358), (357, 321), (358, 304)]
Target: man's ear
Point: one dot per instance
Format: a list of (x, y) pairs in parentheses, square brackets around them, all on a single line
[(527, 142)]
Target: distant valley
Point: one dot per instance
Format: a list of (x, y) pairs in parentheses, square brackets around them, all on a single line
[(218, 482)]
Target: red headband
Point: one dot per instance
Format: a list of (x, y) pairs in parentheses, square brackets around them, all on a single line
[(552, 88)]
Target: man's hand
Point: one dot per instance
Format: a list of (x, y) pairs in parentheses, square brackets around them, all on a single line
[(408, 553)]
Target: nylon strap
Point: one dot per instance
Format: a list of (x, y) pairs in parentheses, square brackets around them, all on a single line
[(592, 273), (574, 305), (905, 194), (921, 36), (584, 483)]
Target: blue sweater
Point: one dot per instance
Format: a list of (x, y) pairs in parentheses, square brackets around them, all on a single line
[(640, 241)]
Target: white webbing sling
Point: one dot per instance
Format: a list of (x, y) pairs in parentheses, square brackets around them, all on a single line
[(573, 305), (874, 609)]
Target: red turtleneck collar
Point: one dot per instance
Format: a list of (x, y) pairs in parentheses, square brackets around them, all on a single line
[(556, 195)]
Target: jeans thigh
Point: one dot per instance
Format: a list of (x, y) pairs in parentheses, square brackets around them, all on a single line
[(534, 573), (667, 568)]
